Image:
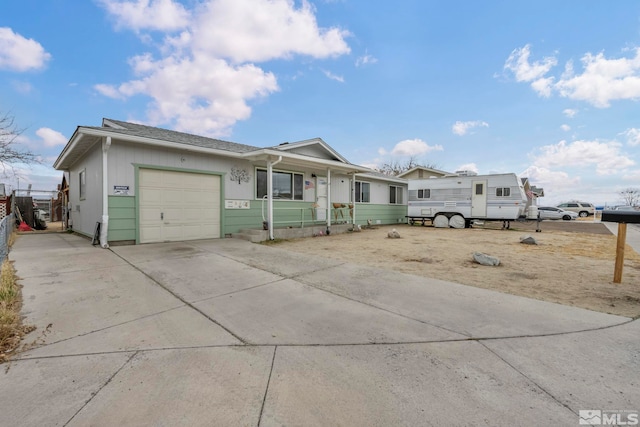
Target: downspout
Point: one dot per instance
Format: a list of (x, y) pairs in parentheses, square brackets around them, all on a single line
[(104, 228), (270, 166), (328, 201)]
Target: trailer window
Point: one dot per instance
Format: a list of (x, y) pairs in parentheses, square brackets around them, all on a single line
[(395, 195), (503, 191), (424, 193), (479, 189), (362, 192)]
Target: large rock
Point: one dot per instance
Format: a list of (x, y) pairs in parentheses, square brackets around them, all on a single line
[(393, 234), (485, 259), (528, 240)]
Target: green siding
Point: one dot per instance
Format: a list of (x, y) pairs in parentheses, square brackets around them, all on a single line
[(122, 218), (386, 214), (123, 222)]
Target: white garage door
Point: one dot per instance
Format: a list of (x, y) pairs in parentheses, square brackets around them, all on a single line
[(176, 206)]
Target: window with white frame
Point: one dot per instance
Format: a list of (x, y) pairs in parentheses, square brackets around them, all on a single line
[(395, 195), (286, 185), (82, 179), (503, 191), (424, 193), (363, 192)]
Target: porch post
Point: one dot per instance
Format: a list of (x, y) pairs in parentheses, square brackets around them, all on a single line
[(104, 228), (270, 166), (328, 199), (353, 199)]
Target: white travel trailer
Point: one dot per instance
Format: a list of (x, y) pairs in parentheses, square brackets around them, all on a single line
[(454, 201)]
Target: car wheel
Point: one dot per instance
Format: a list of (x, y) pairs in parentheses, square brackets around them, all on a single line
[(567, 217), (584, 214)]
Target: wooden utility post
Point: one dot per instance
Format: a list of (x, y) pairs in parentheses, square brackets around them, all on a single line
[(622, 239), (622, 218)]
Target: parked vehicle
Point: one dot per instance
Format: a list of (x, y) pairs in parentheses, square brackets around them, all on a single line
[(550, 212), (626, 208), (583, 209), (454, 201)]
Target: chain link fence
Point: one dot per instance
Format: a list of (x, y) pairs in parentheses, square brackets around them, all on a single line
[(7, 226)]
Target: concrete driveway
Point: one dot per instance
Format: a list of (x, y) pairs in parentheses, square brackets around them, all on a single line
[(225, 332)]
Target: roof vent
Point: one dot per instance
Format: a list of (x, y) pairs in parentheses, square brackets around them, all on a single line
[(284, 143)]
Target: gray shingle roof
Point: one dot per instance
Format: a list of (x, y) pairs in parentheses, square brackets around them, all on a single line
[(133, 129)]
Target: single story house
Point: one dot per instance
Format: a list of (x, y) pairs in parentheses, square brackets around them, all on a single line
[(423, 172), (130, 183)]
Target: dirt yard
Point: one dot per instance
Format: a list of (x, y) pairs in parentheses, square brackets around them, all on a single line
[(572, 264)]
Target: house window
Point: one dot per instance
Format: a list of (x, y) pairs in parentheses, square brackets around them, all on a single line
[(424, 193), (82, 179), (286, 185), (395, 195), (363, 191), (503, 192)]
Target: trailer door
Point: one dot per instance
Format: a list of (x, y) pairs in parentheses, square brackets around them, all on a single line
[(478, 199)]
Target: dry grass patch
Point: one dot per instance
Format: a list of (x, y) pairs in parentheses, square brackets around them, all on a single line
[(11, 328), (565, 267)]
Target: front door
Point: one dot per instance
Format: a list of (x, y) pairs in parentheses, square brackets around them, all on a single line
[(321, 198), (479, 199)]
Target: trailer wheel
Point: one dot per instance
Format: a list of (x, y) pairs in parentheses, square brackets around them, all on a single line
[(441, 221), (456, 221)]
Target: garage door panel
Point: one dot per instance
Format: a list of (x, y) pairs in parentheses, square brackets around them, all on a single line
[(189, 203)]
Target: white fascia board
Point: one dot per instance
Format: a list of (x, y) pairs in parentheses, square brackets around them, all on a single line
[(383, 178), (75, 138), (267, 154), (144, 140), (314, 141)]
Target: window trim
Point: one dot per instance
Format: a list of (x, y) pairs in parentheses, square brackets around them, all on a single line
[(358, 194), (82, 184), (423, 191), (296, 196), (503, 191), (398, 190)]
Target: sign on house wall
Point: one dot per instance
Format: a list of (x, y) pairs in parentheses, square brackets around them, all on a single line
[(237, 204), (121, 190)]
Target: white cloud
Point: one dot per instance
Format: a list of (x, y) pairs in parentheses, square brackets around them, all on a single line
[(558, 185), (462, 128), (332, 76), (468, 167), (602, 79), (605, 156), (164, 15), (524, 71), (18, 53), (262, 30), (414, 147), (366, 59), (633, 136), (204, 87), (51, 138), (565, 127), (633, 176), (570, 113)]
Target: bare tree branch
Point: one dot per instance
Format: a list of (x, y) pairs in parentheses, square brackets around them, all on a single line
[(10, 154), (395, 168), (631, 196)]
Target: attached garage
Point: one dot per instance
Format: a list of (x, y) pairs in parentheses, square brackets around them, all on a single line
[(177, 206)]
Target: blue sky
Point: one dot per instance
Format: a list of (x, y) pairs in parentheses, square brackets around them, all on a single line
[(546, 89)]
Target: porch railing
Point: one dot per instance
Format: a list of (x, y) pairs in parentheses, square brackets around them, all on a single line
[(304, 215)]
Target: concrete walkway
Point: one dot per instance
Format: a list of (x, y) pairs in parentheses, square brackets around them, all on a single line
[(225, 332)]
